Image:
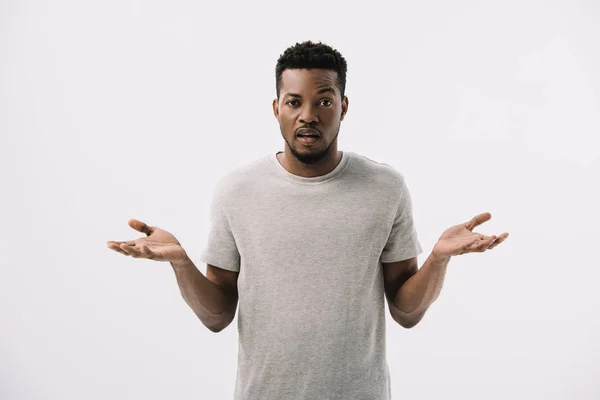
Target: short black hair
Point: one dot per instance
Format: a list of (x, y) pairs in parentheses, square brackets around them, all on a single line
[(312, 55)]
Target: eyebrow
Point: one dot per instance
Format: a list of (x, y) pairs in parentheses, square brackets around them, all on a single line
[(324, 90)]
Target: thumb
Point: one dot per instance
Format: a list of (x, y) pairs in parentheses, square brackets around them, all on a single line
[(140, 226)]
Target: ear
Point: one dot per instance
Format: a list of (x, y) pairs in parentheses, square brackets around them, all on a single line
[(276, 108), (344, 107)]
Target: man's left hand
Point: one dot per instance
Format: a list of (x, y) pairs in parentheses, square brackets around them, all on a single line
[(460, 239)]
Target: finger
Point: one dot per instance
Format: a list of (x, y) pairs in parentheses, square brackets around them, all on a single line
[(469, 246), (500, 239), (481, 245), (476, 238), (141, 226), (478, 220), (138, 252), (115, 246), (148, 253), (130, 250), (486, 243), (129, 242)]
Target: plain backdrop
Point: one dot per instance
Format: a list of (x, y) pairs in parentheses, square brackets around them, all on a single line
[(127, 109)]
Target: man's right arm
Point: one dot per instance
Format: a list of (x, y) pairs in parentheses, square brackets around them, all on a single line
[(213, 300)]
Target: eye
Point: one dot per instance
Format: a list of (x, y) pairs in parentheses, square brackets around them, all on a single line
[(326, 101), (289, 102)]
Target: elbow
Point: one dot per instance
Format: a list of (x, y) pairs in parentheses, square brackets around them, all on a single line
[(214, 329), (408, 324), (220, 324), (408, 321)]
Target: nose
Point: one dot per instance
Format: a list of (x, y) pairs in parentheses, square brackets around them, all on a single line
[(309, 115)]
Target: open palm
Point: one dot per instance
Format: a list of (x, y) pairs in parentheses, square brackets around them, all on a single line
[(460, 239), (158, 244)]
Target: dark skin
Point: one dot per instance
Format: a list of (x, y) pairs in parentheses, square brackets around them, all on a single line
[(411, 290), (310, 98)]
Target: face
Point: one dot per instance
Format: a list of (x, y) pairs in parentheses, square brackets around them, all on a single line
[(310, 104)]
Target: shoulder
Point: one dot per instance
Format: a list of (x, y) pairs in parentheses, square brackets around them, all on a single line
[(385, 176), (239, 180)]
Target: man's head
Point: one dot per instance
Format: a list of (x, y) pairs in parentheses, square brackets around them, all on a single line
[(310, 84)]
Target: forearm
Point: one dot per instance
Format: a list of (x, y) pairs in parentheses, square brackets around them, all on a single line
[(415, 296), (208, 301)]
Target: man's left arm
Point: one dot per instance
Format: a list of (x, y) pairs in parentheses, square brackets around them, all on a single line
[(410, 291)]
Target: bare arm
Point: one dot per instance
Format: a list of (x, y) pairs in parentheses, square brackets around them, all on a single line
[(415, 296), (214, 304), (213, 297), (411, 298)]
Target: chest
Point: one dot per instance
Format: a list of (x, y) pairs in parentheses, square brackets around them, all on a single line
[(311, 226)]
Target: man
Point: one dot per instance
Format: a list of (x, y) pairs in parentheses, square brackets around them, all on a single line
[(311, 240)]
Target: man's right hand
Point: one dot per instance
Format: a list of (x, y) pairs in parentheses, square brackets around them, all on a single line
[(158, 244)]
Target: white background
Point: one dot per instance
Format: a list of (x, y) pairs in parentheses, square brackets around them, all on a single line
[(127, 109)]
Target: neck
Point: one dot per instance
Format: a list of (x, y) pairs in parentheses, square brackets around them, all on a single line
[(321, 167)]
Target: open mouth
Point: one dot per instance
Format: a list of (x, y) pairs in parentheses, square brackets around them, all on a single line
[(308, 136), (308, 139)]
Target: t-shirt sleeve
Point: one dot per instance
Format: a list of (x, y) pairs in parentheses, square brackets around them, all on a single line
[(221, 249), (403, 242)]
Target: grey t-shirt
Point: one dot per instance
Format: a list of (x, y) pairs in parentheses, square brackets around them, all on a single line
[(311, 314)]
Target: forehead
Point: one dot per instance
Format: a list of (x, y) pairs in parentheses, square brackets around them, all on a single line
[(307, 80)]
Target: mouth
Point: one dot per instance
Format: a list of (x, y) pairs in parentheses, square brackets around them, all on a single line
[(308, 136)]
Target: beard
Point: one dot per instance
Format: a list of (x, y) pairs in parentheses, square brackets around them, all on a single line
[(312, 155)]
